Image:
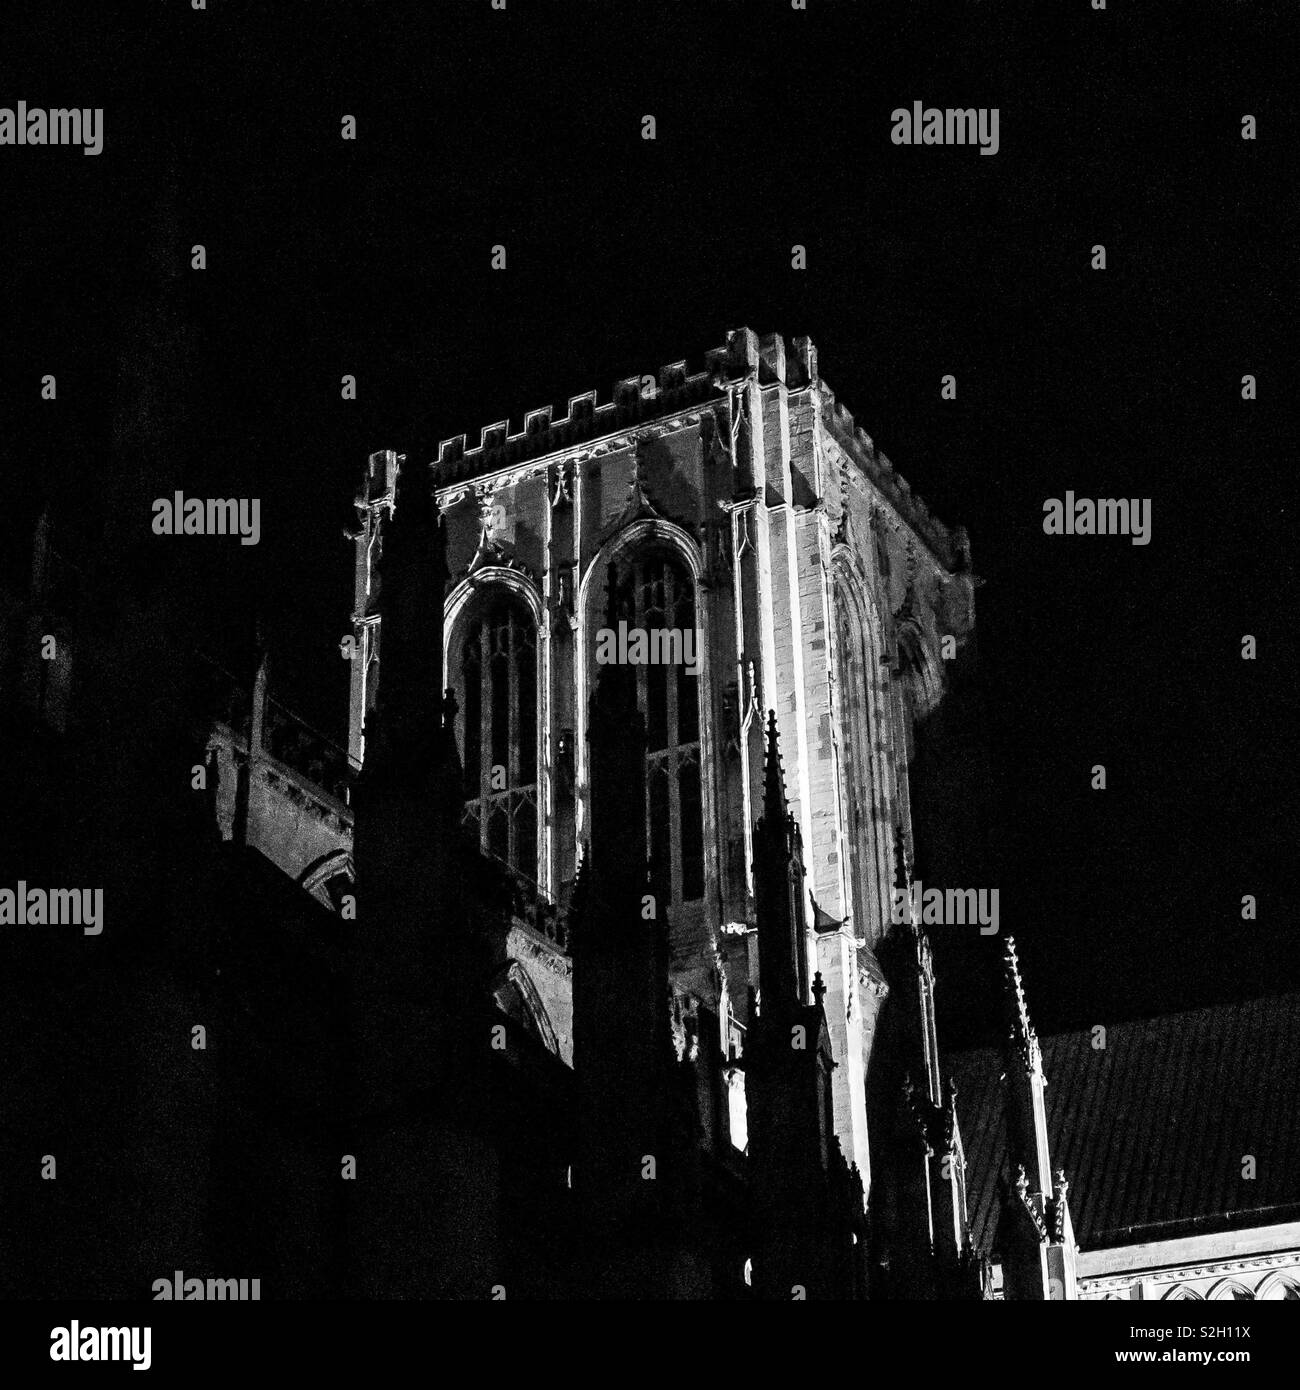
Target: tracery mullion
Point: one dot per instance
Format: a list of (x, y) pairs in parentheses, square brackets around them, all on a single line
[(674, 770), (643, 692)]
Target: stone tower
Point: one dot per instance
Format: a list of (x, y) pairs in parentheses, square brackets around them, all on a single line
[(742, 506)]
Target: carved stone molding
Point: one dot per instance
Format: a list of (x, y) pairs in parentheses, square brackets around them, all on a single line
[(1219, 1269)]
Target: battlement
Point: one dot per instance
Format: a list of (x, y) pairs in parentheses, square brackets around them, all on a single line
[(638, 400), (950, 547)]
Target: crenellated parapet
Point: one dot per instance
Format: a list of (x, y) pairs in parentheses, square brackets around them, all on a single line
[(950, 548), (766, 361), (637, 400)]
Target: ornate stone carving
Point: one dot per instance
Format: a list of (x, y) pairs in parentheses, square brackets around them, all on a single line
[(562, 477)]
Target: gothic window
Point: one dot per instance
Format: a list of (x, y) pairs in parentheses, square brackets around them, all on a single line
[(853, 736), (922, 685), (861, 770), (1229, 1290), (496, 667), (662, 595)]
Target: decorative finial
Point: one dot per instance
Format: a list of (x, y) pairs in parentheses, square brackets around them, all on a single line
[(818, 988), (487, 503), (1022, 1031), (774, 779), (1059, 1205)]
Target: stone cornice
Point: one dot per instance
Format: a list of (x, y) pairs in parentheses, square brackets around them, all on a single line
[(1275, 1239), (539, 948), (1217, 1269), (904, 514)]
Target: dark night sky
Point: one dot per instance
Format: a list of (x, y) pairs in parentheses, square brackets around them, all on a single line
[(477, 127)]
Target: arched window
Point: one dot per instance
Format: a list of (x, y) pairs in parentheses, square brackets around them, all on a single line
[(861, 736), (661, 595), (922, 684), (854, 754), (1229, 1290), (495, 668)]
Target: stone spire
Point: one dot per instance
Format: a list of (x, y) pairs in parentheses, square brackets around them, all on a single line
[(809, 1227), (408, 705), (1025, 1083), (779, 892), (922, 1230), (407, 841), (374, 504), (634, 1174), (774, 803), (1037, 1238)]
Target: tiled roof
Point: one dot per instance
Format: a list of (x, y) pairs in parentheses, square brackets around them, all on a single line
[(1153, 1129)]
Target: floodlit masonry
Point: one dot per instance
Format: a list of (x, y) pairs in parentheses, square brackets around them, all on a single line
[(741, 502), (758, 473)]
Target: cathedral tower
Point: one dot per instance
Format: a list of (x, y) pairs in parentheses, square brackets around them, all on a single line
[(760, 531)]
